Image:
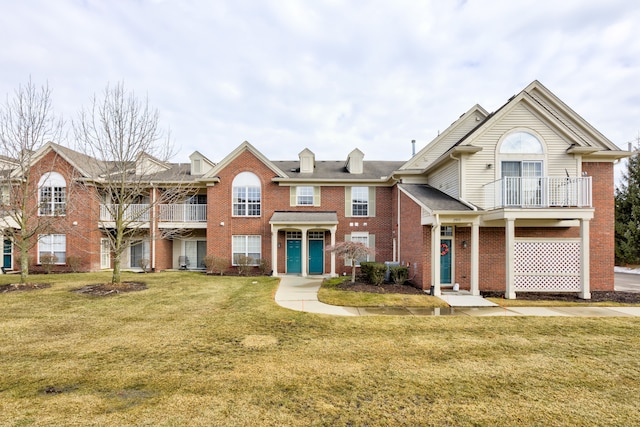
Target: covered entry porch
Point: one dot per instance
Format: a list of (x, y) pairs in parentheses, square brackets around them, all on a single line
[(298, 240)]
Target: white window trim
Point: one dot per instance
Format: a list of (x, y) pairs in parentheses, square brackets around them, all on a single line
[(299, 195), (52, 246), (354, 190), (56, 184), (246, 247), (246, 181)]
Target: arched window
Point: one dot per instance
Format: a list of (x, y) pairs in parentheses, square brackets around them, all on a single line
[(52, 194), (521, 143), (522, 157), (246, 194)]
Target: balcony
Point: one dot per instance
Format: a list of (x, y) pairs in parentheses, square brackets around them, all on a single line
[(538, 192), (133, 212), (180, 213)]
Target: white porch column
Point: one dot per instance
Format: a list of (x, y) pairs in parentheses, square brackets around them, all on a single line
[(585, 291), (509, 243), (274, 250), (475, 259), (305, 253), (332, 230), (435, 259)]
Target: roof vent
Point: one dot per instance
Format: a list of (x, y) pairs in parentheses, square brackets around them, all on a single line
[(354, 162), (307, 161)]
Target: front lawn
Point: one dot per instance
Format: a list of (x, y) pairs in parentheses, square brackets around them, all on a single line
[(197, 350)]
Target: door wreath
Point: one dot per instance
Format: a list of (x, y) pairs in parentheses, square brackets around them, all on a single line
[(444, 249)]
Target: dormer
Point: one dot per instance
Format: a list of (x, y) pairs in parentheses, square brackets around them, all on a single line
[(146, 165), (354, 162), (307, 161), (200, 164)]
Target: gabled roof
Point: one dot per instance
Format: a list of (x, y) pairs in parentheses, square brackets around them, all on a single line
[(336, 171), (245, 146), (433, 199), (583, 137), (87, 166)]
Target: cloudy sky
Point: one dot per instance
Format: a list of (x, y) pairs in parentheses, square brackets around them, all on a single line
[(329, 75)]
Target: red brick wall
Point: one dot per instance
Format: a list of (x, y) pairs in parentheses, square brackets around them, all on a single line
[(81, 219), (602, 253), (276, 198), (414, 241)]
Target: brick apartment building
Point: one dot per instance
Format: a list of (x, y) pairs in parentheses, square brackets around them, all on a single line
[(520, 199)]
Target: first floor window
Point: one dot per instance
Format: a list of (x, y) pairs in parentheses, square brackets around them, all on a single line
[(139, 254), (247, 246), (54, 245), (364, 238)]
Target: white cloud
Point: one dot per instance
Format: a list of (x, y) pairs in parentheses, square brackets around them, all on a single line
[(329, 75)]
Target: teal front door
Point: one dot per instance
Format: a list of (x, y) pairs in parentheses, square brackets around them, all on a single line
[(316, 256), (6, 254), (294, 256), (445, 261)]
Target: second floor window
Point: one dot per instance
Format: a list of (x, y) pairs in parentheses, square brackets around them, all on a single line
[(52, 194), (304, 196), (359, 201), (247, 195)]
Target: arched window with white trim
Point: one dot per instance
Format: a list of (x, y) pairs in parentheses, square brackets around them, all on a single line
[(52, 194), (247, 194), (522, 156)]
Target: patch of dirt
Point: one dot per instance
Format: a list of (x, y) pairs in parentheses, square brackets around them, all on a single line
[(21, 287), (596, 296), (385, 288), (104, 289)]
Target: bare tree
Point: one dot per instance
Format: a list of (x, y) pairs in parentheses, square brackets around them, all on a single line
[(131, 173), (352, 252), (27, 123)]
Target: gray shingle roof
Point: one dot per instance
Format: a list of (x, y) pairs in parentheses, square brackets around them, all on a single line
[(335, 170), (280, 217), (433, 199)]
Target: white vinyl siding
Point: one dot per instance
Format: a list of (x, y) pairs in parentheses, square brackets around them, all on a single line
[(483, 167), (446, 179)]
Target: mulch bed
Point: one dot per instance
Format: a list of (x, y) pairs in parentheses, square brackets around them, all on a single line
[(21, 287), (104, 289), (596, 296), (385, 288)]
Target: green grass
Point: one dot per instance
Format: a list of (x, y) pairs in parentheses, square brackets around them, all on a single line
[(196, 350), (329, 293)]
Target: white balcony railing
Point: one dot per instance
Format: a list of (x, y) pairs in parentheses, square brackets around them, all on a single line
[(540, 192), (183, 213), (138, 212)]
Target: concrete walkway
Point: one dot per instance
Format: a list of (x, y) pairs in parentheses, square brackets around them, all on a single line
[(301, 294)]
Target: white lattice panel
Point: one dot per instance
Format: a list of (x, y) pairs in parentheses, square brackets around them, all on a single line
[(547, 266)]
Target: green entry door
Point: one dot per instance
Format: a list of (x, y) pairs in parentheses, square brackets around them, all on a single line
[(445, 261), (6, 254), (316, 256), (294, 256)]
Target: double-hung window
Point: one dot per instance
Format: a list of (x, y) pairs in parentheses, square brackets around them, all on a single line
[(54, 245), (52, 194), (246, 195), (304, 196), (247, 246), (359, 201)]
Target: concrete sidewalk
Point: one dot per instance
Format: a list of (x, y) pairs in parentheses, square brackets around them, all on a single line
[(301, 294)]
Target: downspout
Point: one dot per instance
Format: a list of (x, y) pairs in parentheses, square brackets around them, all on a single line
[(396, 253), (153, 227)]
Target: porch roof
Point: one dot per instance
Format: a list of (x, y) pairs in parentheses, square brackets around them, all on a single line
[(311, 218), (433, 198)]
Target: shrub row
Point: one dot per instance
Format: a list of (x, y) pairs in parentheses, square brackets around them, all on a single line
[(375, 272)]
